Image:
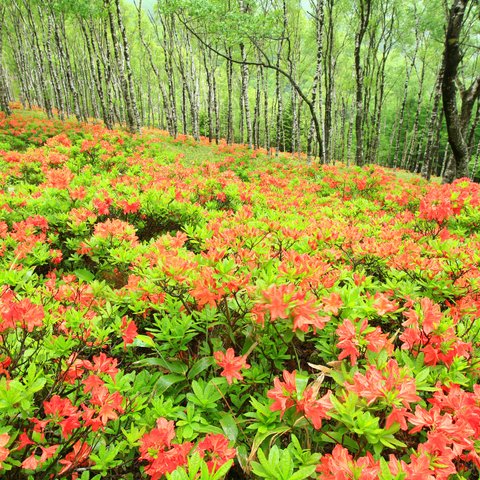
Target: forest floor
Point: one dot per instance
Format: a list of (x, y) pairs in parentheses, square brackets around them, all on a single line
[(207, 310)]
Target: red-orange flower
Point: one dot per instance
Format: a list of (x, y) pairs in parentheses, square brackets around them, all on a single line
[(340, 465), (157, 449), (332, 304), (77, 457), (4, 452), (129, 331), (282, 392), (214, 448), (231, 364)]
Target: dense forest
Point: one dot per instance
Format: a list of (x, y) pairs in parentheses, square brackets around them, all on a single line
[(361, 81)]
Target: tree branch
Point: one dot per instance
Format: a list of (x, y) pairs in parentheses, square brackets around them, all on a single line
[(266, 64)]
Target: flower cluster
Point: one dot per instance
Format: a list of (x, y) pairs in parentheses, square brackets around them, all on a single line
[(286, 395), (163, 456)]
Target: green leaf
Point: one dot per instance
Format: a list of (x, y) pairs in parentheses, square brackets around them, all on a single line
[(303, 473), (222, 471), (229, 426), (301, 382), (261, 437), (84, 275), (143, 341), (165, 382), (173, 366), (200, 366)]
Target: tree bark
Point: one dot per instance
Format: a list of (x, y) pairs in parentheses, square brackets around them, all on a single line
[(266, 113), (329, 72), (452, 56), (65, 62), (118, 50), (409, 160), (39, 61), (257, 110), (4, 104), (160, 82), (168, 49), (317, 79), (434, 126), (229, 66), (48, 41), (96, 74), (364, 13), (386, 39), (209, 79), (132, 105), (28, 88)]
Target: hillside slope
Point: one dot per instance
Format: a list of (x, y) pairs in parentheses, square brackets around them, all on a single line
[(171, 304)]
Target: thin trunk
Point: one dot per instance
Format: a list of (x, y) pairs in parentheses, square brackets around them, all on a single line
[(24, 73), (370, 78), (132, 103), (329, 72), (52, 67), (435, 149), (387, 40), (160, 82), (473, 129), (241, 121), (448, 164), (66, 63), (245, 82), (317, 79), (86, 94), (245, 99), (265, 109), (190, 79), (279, 122), (40, 66), (104, 53), (230, 101), (413, 141), (350, 136), (278, 93), (216, 106), (184, 109), (294, 118), (364, 12), (91, 78), (433, 126), (120, 61), (167, 43), (256, 112), (96, 74), (344, 134), (4, 106), (209, 79), (298, 132)]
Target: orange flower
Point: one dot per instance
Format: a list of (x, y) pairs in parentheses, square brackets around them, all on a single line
[(282, 392), (129, 331), (231, 364), (332, 304), (4, 452), (77, 457), (214, 447)]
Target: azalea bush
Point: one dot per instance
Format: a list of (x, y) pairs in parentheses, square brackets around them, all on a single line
[(178, 310)]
